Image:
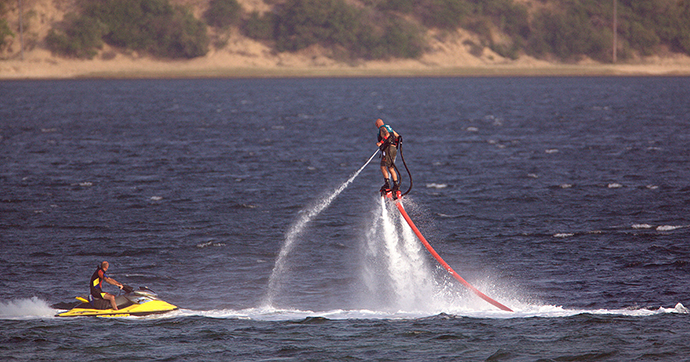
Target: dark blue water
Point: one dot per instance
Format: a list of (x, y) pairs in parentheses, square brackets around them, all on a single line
[(566, 199)]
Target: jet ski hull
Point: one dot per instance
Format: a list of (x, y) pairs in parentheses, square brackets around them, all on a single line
[(137, 303)]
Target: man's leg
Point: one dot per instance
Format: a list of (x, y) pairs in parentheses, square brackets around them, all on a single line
[(111, 298), (394, 175), (384, 171), (386, 184)]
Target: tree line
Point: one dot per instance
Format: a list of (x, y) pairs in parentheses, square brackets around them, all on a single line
[(380, 29)]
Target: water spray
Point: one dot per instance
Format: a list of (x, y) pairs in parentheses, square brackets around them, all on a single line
[(298, 227)]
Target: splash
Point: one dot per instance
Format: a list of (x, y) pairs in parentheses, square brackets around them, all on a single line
[(399, 274), (394, 268), (274, 281), (25, 308)]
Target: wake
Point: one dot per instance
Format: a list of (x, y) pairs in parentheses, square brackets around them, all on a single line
[(35, 308), (530, 311), (26, 308)]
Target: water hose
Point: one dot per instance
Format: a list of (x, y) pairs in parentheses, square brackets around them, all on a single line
[(402, 157), (445, 265)]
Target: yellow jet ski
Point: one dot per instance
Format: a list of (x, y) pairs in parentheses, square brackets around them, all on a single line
[(133, 303)]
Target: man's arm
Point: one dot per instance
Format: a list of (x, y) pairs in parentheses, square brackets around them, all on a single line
[(112, 281)]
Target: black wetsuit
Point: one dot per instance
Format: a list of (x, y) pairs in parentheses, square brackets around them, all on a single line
[(96, 283)]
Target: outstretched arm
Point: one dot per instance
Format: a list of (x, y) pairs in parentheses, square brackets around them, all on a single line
[(112, 281)]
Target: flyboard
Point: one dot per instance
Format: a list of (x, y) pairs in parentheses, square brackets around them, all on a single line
[(398, 203)]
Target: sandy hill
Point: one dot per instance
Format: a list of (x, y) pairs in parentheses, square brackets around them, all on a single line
[(450, 53)]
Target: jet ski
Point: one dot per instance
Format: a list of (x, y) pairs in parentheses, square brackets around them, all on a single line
[(143, 301)]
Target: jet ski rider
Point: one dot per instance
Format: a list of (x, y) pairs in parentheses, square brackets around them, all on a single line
[(96, 284), (388, 141)]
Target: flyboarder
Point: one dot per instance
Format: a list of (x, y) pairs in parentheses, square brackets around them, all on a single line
[(388, 141)]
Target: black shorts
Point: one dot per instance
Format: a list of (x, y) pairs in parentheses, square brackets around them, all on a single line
[(388, 156)]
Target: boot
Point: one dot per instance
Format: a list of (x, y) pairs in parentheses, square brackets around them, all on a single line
[(386, 186)]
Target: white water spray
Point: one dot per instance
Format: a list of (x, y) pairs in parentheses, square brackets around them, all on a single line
[(394, 268), (297, 228)]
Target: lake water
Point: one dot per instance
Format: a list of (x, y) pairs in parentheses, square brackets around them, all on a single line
[(240, 201)]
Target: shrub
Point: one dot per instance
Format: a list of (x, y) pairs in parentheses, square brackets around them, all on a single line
[(680, 39), (183, 36), (401, 40), (343, 28), (223, 13), (260, 27), (568, 35), (4, 33), (152, 26), (80, 39), (302, 23), (443, 14), (403, 6), (509, 17)]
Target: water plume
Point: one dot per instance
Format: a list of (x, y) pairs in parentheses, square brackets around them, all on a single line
[(291, 237)]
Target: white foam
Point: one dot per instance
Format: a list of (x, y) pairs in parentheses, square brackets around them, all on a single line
[(25, 308), (642, 226), (520, 311), (668, 227), (436, 186), (33, 308)]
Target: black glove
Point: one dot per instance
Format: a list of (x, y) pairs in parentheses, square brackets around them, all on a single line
[(399, 139)]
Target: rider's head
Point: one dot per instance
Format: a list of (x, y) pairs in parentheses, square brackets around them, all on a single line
[(379, 123), (105, 265)]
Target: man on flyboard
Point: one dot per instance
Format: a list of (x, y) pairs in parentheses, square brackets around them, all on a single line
[(388, 141)]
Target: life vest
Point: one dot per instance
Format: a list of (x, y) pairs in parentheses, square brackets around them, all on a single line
[(96, 283), (390, 140)]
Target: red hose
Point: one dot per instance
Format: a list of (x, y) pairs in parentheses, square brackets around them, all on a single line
[(445, 265)]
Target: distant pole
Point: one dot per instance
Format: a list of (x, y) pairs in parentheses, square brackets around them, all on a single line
[(615, 29), (21, 28)]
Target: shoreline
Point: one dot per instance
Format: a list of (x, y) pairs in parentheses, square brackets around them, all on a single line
[(40, 65), (316, 72)]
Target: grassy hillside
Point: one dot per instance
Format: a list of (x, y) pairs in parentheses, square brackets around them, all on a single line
[(563, 30)]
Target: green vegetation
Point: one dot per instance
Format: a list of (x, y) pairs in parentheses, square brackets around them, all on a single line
[(5, 31), (333, 24), (260, 27), (579, 30), (585, 27), (444, 14), (151, 26), (379, 29), (223, 13), (80, 39), (302, 23)]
